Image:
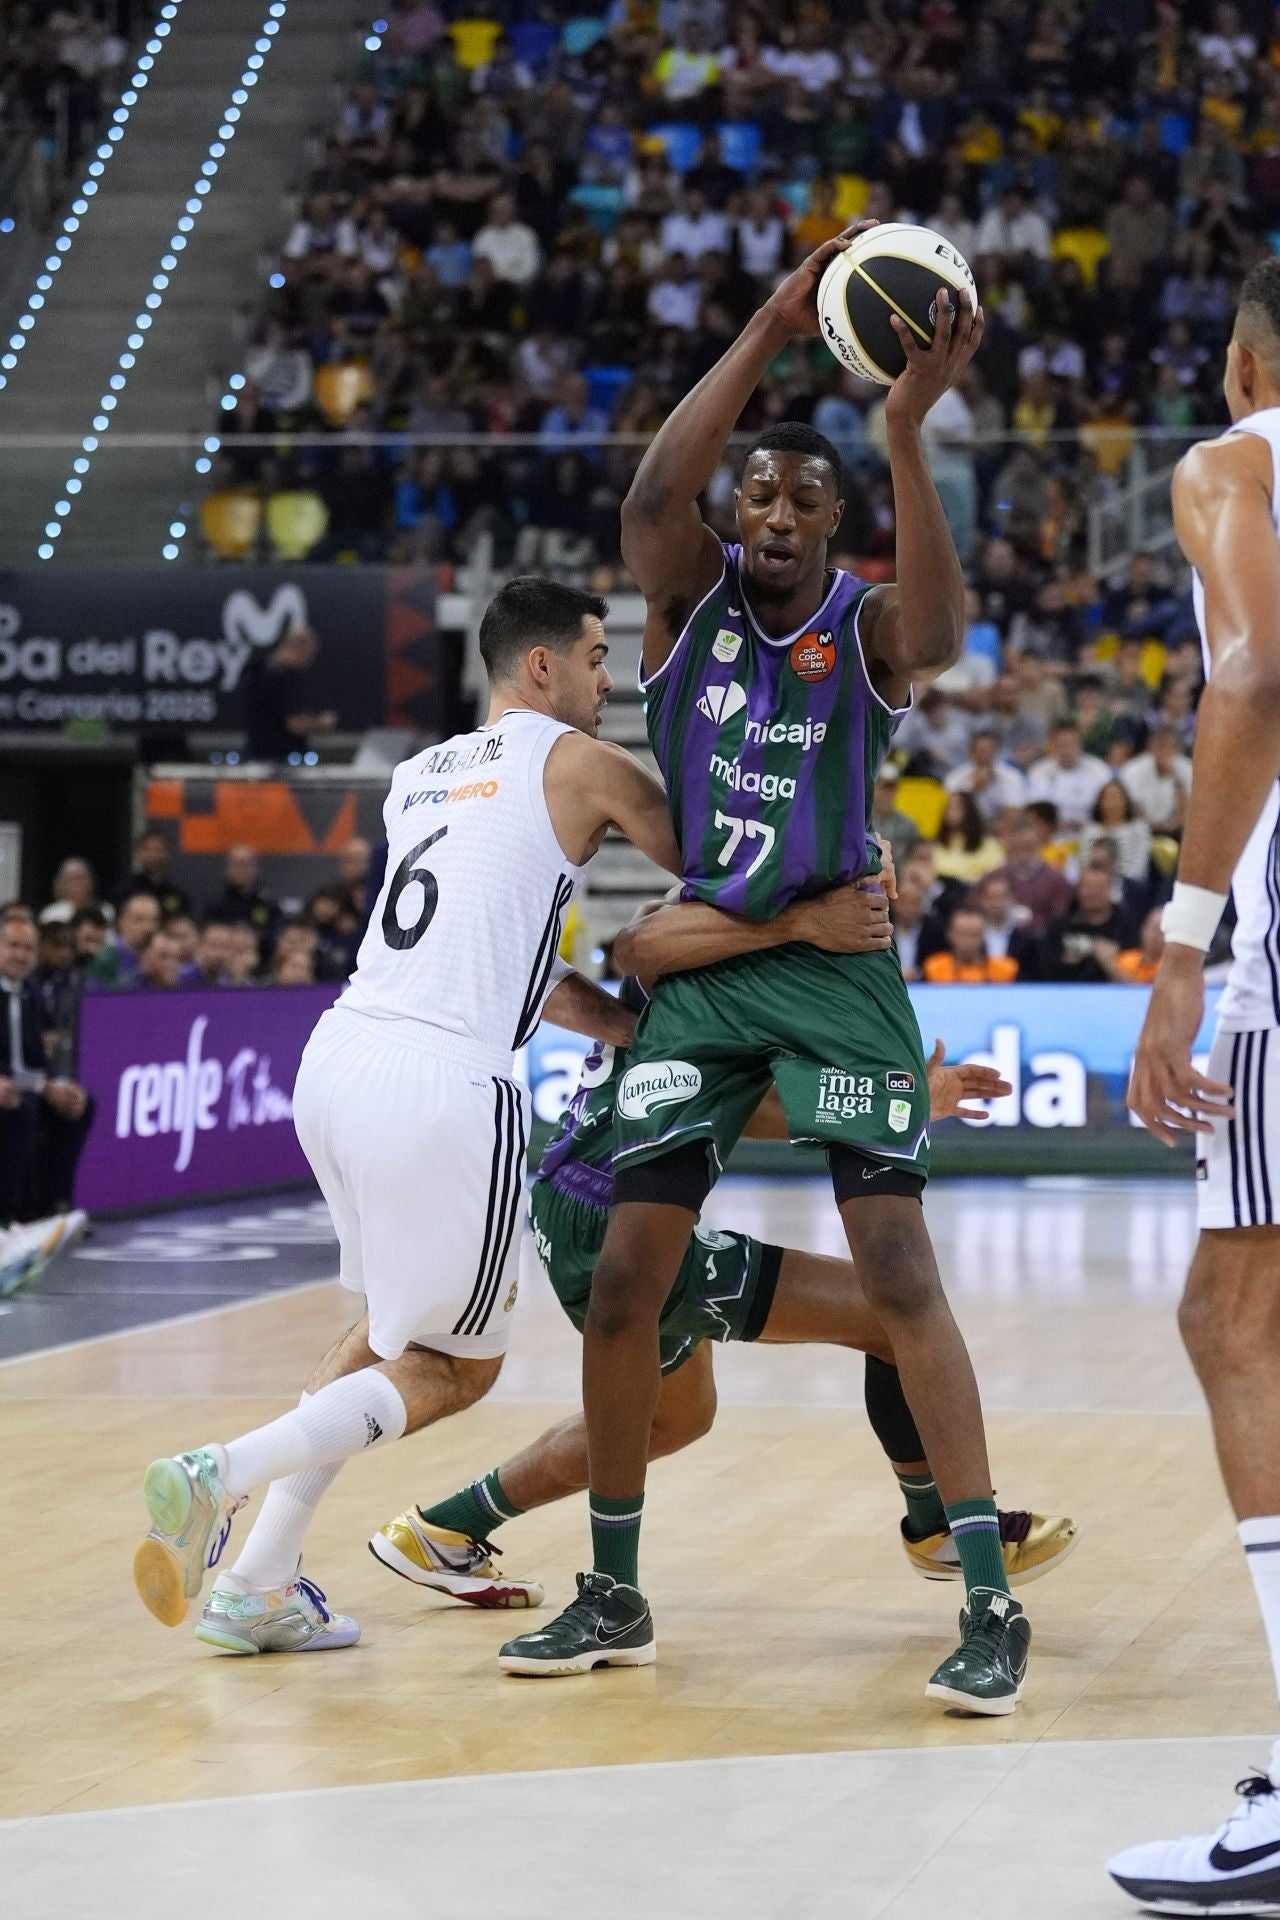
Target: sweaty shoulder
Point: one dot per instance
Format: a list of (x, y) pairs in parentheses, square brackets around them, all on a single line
[(1233, 463)]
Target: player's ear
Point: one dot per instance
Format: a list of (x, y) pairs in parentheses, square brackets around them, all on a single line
[(536, 661), (837, 515)]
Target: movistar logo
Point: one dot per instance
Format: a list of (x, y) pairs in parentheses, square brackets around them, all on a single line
[(721, 703)]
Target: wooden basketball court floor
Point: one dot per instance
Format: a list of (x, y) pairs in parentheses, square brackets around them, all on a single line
[(779, 1758)]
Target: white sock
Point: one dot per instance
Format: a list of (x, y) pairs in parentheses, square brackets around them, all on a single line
[(345, 1417), (273, 1546), (1261, 1542)]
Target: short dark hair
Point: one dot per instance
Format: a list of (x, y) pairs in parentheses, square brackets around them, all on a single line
[(792, 436), (531, 612), (1260, 295), (88, 917)]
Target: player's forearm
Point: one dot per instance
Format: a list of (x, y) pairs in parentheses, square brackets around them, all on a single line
[(687, 448), (928, 634), (689, 934), (579, 1005), (1233, 769)]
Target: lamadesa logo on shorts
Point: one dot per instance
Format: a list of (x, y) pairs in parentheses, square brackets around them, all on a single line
[(667, 1083)]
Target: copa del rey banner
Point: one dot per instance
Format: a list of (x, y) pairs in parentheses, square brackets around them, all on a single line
[(194, 1092), (137, 650)]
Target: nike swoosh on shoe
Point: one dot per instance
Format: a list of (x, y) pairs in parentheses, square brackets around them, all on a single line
[(1224, 1862)]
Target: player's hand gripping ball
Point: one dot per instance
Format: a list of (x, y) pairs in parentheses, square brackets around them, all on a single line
[(890, 269)]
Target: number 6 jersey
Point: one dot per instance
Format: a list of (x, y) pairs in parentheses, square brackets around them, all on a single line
[(464, 932)]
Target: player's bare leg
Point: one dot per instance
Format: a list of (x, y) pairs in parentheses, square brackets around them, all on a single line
[(894, 1255)]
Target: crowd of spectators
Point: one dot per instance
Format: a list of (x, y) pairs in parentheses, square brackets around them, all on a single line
[(61, 64), (533, 221)]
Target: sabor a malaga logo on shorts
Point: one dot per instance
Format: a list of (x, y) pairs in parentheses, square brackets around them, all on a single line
[(900, 1082), (899, 1115), (841, 1096), (667, 1083)]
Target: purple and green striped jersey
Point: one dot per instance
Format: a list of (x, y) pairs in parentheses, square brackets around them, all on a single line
[(769, 749)]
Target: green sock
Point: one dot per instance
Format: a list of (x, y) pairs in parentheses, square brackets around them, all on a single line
[(615, 1537), (975, 1528), (476, 1511), (925, 1511)]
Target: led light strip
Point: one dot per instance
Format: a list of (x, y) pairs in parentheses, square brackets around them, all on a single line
[(87, 189), (204, 464), (177, 242)]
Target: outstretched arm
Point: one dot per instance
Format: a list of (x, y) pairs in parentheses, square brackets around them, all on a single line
[(915, 629), (673, 557), (1222, 512)]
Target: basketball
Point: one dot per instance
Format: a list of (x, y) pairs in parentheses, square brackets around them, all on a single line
[(894, 268)]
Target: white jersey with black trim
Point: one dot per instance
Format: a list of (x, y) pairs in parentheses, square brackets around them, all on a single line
[(1252, 997), (463, 935)]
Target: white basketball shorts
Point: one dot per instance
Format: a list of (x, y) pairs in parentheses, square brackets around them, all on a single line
[(1238, 1164), (421, 1160)]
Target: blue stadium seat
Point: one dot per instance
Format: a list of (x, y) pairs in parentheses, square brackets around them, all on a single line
[(682, 140), (579, 36), (740, 142), (604, 204), (604, 384)]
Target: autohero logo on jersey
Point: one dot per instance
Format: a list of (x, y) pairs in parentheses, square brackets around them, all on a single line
[(436, 796), (667, 1083), (185, 1097)]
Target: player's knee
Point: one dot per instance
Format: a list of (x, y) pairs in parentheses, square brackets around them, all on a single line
[(898, 1277), (1228, 1324), (620, 1301), (672, 1431)]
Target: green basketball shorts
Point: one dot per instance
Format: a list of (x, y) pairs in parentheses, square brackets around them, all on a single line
[(723, 1291), (836, 1033)]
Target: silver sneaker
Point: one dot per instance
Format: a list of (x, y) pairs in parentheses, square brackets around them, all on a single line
[(293, 1619), (191, 1514)]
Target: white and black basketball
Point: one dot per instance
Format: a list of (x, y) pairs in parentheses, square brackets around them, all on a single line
[(894, 268)]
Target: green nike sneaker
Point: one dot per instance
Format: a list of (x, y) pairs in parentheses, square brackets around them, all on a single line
[(606, 1626), (987, 1671)]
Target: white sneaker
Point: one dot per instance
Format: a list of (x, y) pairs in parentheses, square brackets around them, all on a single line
[(450, 1563), (1234, 1871), (26, 1251), (239, 1618)]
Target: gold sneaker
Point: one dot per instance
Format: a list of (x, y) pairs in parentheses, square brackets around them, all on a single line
[(1033, 1543), (449, 1563)]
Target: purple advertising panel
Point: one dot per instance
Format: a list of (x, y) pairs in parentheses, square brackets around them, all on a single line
[(194, 1092)]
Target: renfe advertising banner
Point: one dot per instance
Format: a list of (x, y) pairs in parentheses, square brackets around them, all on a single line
[(194, 1092), (151, 650)]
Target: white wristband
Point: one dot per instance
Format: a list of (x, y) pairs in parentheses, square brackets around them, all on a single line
[(1191, 917)]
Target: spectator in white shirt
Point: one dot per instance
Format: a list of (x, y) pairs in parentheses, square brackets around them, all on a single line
[(761, 236), (993, 783), (1005, 924), (1227, 53), (675, 299), (1115, 818), (1013, 228), (954, 224), (320, 233), (379, 243), (1068, 777), (1158, 782), (280, 370), (807, 60), (510, 247), (695, 229), (934, 737)]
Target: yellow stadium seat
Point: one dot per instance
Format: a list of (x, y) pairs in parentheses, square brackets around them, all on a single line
[(1109, 439), (851, 196), (1087, 246), (924, 801), (340, 388), (229, 522), (474, 41), (295, 521)]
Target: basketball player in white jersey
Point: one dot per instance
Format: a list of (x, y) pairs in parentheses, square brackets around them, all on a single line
[(408, 1112), (1226, 500)]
